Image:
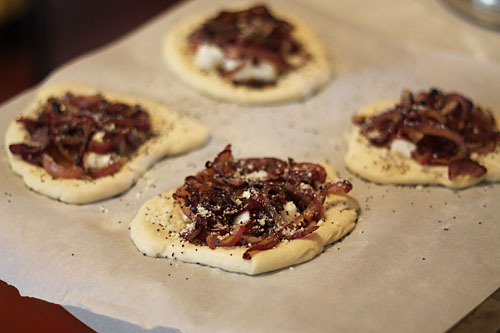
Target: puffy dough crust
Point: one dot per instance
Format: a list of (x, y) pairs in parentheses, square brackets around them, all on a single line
[(293, 85), (175, 134), (383, 166), (155, 232)]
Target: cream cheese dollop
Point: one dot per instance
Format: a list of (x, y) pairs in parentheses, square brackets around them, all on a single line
[(403, 147), (92, 160), (210, 57)]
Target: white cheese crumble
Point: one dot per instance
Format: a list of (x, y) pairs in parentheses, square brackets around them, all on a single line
[(403, 147), (92, 160), (230, 64), (289, 212), (262, 221), (246, 194), (98, 136), (210, 57), (242, 218), (263, 71), (256, 175), (202, 211)]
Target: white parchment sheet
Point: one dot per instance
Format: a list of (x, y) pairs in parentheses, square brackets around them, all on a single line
[(418, 260)]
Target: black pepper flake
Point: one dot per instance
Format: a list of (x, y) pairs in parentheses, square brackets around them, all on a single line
[(446, 229), (170, 264), (168, 274), (72, 254), (454, 217), (187, 279), (393, 210), (423, 258), (480, 222), (144, 254)]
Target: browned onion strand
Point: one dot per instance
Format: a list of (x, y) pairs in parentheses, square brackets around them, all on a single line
[(64, 130), (252, 35), (446, 129), (226, 188)]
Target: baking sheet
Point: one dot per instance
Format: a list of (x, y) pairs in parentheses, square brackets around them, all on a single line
[(418, 260)]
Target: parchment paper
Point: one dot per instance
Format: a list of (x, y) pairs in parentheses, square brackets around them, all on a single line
[(418, 260)]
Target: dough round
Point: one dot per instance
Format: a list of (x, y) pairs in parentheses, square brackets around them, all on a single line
[(174, 134), (381, 165), (155, 233), (293, 85)]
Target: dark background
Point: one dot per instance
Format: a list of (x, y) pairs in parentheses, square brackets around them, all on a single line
[(38, 35)]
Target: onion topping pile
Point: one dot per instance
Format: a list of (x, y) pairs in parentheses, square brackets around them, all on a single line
[(446, 129), (251, 36), (75, 127), (254, 202)]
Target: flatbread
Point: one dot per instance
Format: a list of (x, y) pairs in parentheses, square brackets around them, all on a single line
[(293, 85), (174, 134), (381, 165), (155, 233)]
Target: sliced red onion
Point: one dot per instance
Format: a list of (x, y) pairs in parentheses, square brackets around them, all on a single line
[(232, 239), (60, 171), (106, 171), (462, 167), (265, 244)]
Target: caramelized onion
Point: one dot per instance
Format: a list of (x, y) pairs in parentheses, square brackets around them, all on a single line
[(106, 171), (102, 147), (265, 244), (250, 36), (446, 128), (266, 189), (65, 127), (213, 241), (460, 167), (60, 171), (336, 187)]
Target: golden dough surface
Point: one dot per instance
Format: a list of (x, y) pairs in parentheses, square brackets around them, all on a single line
[(173, 134), (295, 84), (383, 166), (155, 232)]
